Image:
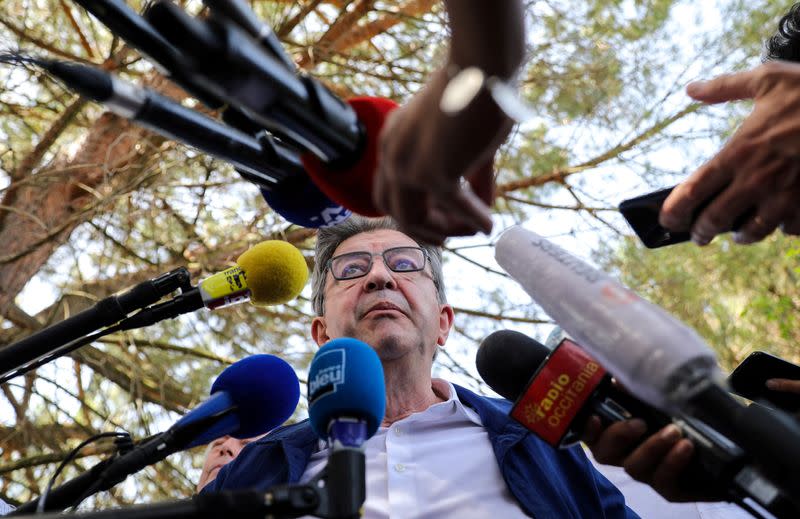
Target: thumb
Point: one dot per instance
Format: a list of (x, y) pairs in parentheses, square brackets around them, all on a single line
[(729, 87)]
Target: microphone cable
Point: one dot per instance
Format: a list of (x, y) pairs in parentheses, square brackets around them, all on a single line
[(123, 442)]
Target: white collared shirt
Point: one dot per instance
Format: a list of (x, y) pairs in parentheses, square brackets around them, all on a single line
[(435, 463)]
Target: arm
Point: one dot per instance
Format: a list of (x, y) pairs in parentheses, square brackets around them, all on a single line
[(424, 153), (757, 173)]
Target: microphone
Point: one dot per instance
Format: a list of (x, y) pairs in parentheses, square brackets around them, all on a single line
[(250, 397), (240, 13), (269, 273), (295, 198), (262, 160), (653, 355), (300, 201), (104, 313), (251, 78), (255, 395), (349, 180), (346, 395), (556, 391), (340, 138), (174, 121), (346, 404), (213, 58)]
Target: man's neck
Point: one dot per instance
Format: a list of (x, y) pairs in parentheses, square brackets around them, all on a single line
[(408, 392)]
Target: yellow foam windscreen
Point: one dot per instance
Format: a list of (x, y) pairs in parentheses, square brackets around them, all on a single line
[(276, 272)]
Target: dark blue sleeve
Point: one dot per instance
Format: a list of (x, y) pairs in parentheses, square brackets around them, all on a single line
[(258, 466), (612, 498)]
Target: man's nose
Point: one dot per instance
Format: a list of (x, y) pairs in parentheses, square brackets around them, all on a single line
[(229, 447), (228, 450), (379, 276)]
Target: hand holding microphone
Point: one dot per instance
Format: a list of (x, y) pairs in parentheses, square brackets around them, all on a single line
[(426, 149), (563, 395), (658, 358)]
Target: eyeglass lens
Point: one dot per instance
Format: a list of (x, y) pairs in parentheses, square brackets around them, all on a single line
[(397, 259)]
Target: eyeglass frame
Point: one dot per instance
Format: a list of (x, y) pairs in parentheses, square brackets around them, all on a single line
[(425, 261)]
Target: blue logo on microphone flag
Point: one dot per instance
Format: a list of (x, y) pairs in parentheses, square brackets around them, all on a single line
[(326, 374)]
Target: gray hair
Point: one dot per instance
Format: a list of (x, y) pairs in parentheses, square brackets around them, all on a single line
[(329, 238)]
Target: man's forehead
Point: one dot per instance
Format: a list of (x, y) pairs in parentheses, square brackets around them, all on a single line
[(374, 241)]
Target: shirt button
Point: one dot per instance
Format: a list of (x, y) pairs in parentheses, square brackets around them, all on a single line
[(397, 431), (400, 467)]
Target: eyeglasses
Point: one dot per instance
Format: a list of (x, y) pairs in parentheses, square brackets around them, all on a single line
[(357, 264)]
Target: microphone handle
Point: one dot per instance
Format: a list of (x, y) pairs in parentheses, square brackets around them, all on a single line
[(126, 23), (104, 313), (240, 13), (718, 462), (179, 123), (249, 77), (186, 302), (770, 435), (247, 504), (65, 495)]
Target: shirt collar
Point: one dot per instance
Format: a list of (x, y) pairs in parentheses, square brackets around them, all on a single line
[(452, 407)]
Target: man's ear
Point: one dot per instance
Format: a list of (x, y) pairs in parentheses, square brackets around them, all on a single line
[(319, 331), (446, 318)]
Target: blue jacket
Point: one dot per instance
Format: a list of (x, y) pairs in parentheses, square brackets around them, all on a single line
[(547, 483)]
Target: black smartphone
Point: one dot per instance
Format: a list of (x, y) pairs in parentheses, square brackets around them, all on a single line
[(642, 215), (749, 377)]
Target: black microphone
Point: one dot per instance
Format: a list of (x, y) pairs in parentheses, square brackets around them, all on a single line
[(250, 77), (104, 313), (234, 62), (266, 162), (555, 392), (240, 13), (266, 166)]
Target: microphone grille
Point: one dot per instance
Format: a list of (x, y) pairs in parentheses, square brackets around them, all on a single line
[(276, 272)]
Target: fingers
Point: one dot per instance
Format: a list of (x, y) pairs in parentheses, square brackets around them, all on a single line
[(679, 207), (612, 445), (482, 182), (784, 384), (660, 460), (431, 213), (729, 87), (771, 212), (461, 213)]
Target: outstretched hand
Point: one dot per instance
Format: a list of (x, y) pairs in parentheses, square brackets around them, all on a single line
[(755, 179), (424, 153)]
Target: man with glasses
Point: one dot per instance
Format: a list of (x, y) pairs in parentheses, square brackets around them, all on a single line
[(441, 450)]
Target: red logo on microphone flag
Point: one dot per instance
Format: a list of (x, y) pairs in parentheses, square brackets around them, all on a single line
[(558, 392)]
